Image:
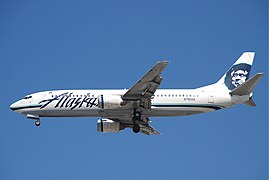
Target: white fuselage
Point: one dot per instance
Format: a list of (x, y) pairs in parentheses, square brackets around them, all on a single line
[(84, 103), (120, 109)]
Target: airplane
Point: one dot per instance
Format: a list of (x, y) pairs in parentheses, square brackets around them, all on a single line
[(132, 108)]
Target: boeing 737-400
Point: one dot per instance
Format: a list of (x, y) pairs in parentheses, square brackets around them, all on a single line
[(131, 108)]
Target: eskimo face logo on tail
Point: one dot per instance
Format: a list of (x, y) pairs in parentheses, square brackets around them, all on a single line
[(237, 75)]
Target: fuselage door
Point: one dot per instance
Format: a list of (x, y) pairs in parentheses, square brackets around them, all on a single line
[(210, 98)]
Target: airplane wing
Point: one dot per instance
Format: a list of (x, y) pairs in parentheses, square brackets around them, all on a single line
[(142, 92), (145, 88)]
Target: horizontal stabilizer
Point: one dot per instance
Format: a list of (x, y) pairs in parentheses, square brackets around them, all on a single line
[(250, 103), (248, 86)]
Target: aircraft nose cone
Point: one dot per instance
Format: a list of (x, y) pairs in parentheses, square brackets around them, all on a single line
[(13, 106)]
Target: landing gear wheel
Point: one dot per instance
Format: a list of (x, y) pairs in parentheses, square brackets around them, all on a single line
[(136, 119), (137, 115), (37, 122), (136, 128)]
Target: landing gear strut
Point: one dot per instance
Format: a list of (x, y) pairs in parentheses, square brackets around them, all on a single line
[(34, 117), (37, 122), (136, 119)]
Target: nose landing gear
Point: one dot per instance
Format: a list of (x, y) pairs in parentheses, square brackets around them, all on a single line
[(34, 117), (37, 122)]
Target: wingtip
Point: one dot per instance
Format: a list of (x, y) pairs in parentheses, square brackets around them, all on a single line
[(164, 62)]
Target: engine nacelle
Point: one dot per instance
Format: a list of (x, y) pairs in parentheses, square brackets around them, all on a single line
[(109, 101), (107, 125)]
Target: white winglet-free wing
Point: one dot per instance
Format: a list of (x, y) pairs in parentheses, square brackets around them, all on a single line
[(145, 88)]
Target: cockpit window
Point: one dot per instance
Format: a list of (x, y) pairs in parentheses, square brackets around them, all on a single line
[(27, 97)]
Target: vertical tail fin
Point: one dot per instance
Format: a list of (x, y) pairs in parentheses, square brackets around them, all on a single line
[(238, 73)]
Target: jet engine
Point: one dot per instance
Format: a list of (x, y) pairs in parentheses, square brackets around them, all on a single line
[(109, 101), (107, 125)]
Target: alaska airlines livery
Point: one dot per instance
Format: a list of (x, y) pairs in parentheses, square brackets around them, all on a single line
[(131, 108)]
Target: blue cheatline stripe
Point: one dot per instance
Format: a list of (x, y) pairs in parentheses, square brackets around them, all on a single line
[(189, 105), (26, 107)]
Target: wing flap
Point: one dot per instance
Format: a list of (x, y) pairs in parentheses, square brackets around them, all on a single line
[(147, 129)]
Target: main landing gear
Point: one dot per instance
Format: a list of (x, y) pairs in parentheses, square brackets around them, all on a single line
[(136, 119)]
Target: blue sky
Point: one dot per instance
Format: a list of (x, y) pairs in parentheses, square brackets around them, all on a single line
[(111, 44)]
